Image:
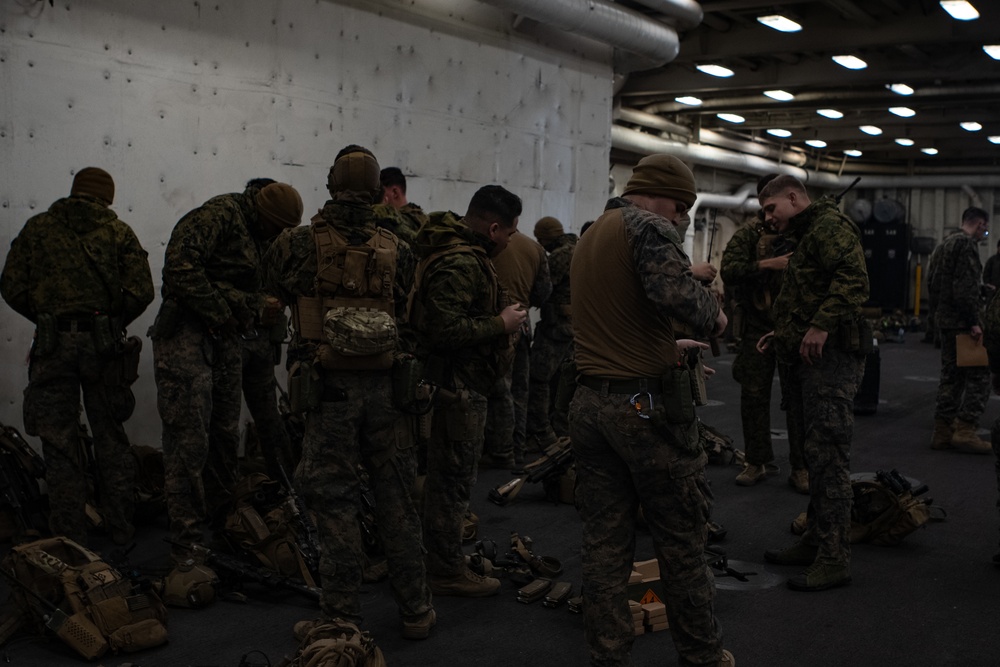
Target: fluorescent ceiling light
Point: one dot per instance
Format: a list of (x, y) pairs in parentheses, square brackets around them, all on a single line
[(994, 139), (816, 143), (960, 10), (779, 23), (904, 112), (689, 100), (731, 117), (852, 152), (871, 129), (929, 151), (780, 95), (904, 142), (850, 62), (900, 89), (784, 134), (715, 70), (971, 126), (992, 50), (830, 113)]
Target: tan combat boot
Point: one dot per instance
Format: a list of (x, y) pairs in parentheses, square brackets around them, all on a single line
[(942, 434), (964, 439)]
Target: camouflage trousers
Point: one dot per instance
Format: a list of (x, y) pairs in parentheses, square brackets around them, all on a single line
[(52, 411), (198, 398), (565, 386), (356, 425), (962, 392), (500, 420), (995, 441), (452, 454), (754, 371), (260, 394), (623, 461), (547, 356), (823, 394)]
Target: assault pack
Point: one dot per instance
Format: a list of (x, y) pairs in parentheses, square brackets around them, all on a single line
[(333, 643), (66, 589)]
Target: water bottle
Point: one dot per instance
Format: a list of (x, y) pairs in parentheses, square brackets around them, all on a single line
[(900, 335)]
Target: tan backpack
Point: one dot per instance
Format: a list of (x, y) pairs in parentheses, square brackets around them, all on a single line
[(336, 643)]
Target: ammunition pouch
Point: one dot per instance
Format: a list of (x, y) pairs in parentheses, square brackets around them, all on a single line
[(105, 335), (305, 388), (46, 336), (409, 391), (854, 335), (677, 396), (168, 321)]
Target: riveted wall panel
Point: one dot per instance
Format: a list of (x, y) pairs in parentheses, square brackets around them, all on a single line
[(181, 100)]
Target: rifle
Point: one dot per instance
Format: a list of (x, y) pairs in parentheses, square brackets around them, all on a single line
[(238, 571), (553, 463), (306, 535), (77, 631), (20, 467), (713, 341), (846, 190)]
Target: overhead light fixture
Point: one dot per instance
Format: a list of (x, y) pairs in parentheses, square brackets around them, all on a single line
[(970, 126), (853, 152), (731, 117), (904, 112), (850, 62), (900, 89), (929, 151), (902, 141), (994, 139), (777, 132), (816, 143), (780, 95), (779, 23), (992, 50), (689, 100), (830, 113), (715, 70), (960, 10), (871, 129)]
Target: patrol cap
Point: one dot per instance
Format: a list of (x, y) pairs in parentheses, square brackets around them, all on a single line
[(95, 183), (279, 206), (355, 170), (548, 229), (664, 176)]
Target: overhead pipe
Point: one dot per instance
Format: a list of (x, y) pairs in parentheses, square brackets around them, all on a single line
[(650, 120), (687, 12), (655, 43), (642, 143)]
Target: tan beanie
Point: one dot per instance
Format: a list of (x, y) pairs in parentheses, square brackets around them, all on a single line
[(548, 229), (279, 206), (357, 171), (662, 175), (94, 182)]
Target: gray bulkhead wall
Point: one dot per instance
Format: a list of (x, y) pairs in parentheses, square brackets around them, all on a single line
[(184, 100)]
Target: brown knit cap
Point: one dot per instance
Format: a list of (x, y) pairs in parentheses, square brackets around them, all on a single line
[(94, 182), (665, 176), (356, 171), (548, 229), (279, 206)]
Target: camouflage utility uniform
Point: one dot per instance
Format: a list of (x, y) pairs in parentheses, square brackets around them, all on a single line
[(824, 286), (462, 342), (755, 290), (553, 340), (355, 423), (991, 340), (955, 287), (211, 292), (404, 222), (630, 276), (67, 267), (524, 272)]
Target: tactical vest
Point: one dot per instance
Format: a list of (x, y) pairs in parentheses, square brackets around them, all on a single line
[(352, 316), (762, 297), (94, 606)]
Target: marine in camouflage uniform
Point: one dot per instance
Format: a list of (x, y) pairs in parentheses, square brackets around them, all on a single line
[(355, 422), (991, 340), (755, 277), (66, 265), (553, 340), (956, 289), (820, 333), (524, 273), (406, 218), (463, 330), (630, 278), (211, 297)]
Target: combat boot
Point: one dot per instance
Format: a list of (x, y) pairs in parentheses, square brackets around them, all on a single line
[(942, 434), (465, 584), (799, 480), (727, 659), (420, 626), (964, 439), (820, 576), (751, 474), (799, 553)]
